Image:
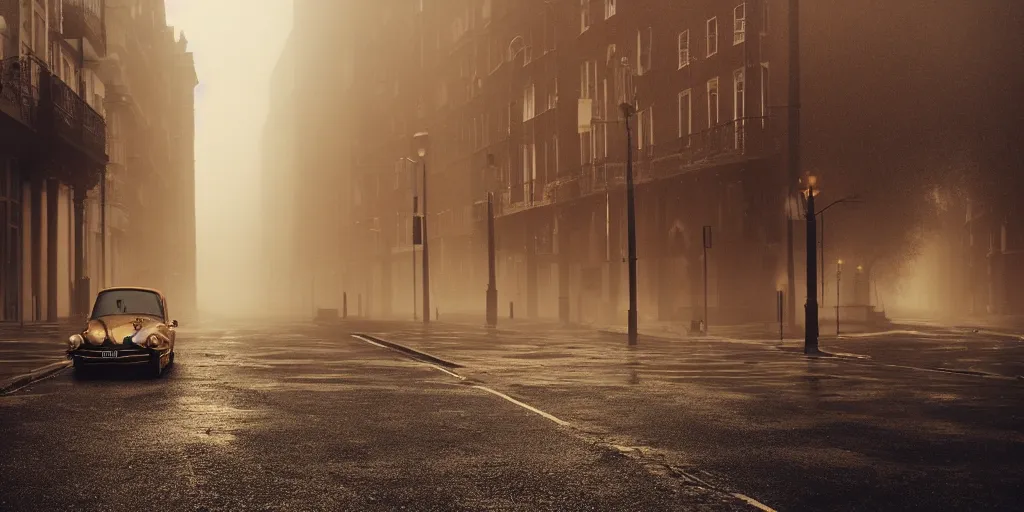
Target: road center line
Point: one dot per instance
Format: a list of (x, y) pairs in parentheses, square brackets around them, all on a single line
[(528, 407), (754, 503)]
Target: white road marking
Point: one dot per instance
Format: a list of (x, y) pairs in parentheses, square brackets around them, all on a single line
[(368, 340), (445, 370), (754, 503), (524, 406), (742, 497)]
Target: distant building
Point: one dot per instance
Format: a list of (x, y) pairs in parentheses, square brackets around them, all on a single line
[(505, 87), (306, 163), (150, 80)]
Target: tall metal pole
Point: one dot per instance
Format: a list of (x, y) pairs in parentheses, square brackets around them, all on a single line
[(794, 146), (630, 228), (811, 309), (415, 212), (839, 272), (492, 289), (822, 257), (707, 245), (426, 251), (103, 229)]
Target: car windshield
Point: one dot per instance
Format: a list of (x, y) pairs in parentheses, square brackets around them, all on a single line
[(128, 302)]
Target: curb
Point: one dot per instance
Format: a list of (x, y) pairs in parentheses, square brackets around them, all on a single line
[(415, 354), (11, 385)]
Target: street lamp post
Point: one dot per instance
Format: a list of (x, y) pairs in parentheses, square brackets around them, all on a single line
[(839, 273), (811, 308), (492, 289), (422, 139), (627, 112)]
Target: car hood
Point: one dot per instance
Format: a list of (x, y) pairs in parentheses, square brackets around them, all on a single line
[(117, 327)]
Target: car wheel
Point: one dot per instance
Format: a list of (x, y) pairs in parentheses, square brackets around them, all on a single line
[(170, 359), (155, 368)]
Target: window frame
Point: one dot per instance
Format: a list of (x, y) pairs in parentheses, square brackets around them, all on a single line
[(739, 24), (718, 102), (712, 49), (683, 51), (688, 95)]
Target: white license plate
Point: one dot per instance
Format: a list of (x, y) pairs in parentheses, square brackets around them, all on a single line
[(109, 353)]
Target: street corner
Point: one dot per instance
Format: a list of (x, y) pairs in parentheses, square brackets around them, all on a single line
[(12, 384)]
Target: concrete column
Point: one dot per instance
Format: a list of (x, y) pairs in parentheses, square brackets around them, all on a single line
[(386, 281), (531, 268), (52, 191), (36, 250), (80, 301), (563, 266), (616, 215)]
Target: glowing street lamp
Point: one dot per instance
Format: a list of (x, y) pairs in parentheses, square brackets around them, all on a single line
[(421, 140)]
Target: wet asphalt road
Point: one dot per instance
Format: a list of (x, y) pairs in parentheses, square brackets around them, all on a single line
[(881, 433), (307, 419)]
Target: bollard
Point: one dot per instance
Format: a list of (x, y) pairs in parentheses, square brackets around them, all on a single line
[(511, 310), (344, 305)]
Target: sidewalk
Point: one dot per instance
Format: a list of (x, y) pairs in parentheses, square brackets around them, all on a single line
[(24, 349)]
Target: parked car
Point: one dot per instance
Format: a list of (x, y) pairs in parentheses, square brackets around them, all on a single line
[(128, 326)]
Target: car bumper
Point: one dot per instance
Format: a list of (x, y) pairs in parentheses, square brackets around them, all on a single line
[(112, 355)]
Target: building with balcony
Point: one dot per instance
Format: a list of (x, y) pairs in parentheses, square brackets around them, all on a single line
[(150, 79), (52, 154), (505, 89)]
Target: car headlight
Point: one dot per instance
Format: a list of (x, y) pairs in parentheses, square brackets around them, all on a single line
[(75, 341), (95, 333), (153, 341)]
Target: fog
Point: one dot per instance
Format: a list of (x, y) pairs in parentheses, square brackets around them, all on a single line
[(235, 46), (909, 107)]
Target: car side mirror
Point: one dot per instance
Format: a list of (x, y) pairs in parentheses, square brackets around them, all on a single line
[(174, 323)]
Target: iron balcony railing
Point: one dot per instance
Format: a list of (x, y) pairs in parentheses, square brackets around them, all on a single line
[(84, 19), (47, 105)]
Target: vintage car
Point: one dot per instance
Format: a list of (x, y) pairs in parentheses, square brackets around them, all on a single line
[(128, 326)]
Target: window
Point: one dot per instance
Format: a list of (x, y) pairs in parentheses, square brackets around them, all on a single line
[(713, 102), (529, 170), (529, 102), (588, 79), (739, 96), (39, 46), (643, 50), (609, 8), (712, 36), (685, 116), (739, 107), (764, 91), (584, 15), (645, 128), (553, 94), (739, 24), (684, 49)]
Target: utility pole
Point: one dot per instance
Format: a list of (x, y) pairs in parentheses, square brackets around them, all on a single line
[(839, 273), (811, 308), (627, 112), (794, 151), (426, 252), (707, 245), (492, 290)]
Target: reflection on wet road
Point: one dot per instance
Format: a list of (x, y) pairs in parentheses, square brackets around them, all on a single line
[(796, 433), (303, 419)]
